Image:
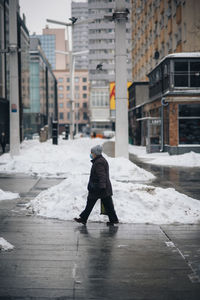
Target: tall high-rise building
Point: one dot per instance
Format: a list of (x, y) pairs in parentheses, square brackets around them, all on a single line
[(52, 40), (161, 27), (101, 34), (80, 33)]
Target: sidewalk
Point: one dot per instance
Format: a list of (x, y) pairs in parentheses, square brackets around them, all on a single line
[(55, 259)]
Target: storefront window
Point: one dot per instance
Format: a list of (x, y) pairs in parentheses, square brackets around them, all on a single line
[(189, 123)]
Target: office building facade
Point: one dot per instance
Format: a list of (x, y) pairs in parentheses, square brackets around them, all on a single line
[(51, 41), (81, 99), (23, 69), (80, 34), (42, 108), (101, 35)]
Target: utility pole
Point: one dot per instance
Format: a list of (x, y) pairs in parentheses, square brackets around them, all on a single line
[(14, 83), (121, 125)]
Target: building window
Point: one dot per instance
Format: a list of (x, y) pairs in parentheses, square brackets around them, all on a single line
[(68, 79), (61, 105), (68, 116), (84, 79), (68, 88), (77, 96), (68, 104), (60, 87), (84, 104), (77, 105), (189, 124), (77, 115), (181, 74), (85, 96), (187, 73), (60, 79), (76, 79), (61, 116), (84, 87), (76, 87), (195, 74), (60, 96), (85, 116)]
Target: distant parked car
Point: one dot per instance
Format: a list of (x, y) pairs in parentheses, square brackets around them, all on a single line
[(108, 134)]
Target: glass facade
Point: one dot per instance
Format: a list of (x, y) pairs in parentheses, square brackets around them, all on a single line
[(189, 124), (48, 43), (42, 107)]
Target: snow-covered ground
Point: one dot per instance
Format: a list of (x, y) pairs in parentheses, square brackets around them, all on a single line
[(134, 202), (4, 245), (68, 157), (8, 195), (190, 159)]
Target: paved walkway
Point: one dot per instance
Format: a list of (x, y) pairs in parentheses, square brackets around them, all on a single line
[(55, 259)]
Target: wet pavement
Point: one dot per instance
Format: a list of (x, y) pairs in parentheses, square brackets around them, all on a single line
[(55, 259)]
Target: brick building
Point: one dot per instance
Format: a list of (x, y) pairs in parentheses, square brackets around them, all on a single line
[(81, 98), (165, 51), (161, 27)]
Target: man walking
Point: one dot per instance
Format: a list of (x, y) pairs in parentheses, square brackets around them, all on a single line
[(99, 187)]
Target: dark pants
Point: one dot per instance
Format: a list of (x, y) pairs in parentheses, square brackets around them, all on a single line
[(108, 204)]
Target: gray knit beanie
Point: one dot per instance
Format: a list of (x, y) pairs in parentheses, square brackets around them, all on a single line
[(97, 150)]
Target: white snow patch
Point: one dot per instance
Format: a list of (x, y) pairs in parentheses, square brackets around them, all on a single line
[(66, 158), (8, 195), (4, 245), (134, 203), (190, 159)]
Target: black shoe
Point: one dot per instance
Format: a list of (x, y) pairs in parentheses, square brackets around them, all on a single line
[(79, 220), (112, 223)]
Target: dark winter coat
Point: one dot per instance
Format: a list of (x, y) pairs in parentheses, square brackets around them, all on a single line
[(99, 183)]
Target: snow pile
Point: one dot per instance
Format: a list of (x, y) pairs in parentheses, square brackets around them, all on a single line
[(4, 245), (134, 203), (67, 158), (8, 195), (190, 159)]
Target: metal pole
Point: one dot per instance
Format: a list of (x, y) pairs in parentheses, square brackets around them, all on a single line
[(121, 131), (71, 70), (14, 86)]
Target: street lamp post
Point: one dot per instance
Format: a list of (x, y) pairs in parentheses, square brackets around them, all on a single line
[(14, 85), (72, 56), (71, 70), (71, 65)]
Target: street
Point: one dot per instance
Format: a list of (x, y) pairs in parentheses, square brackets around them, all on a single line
[(55, 259)]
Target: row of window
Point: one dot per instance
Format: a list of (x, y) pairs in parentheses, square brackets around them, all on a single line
[(77, 87), (76, 96), (99, 98), (185, 74), (77, 116), (77, 105), (76, 79)]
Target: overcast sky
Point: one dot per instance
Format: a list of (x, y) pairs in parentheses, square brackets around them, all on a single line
[(37, 11)]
